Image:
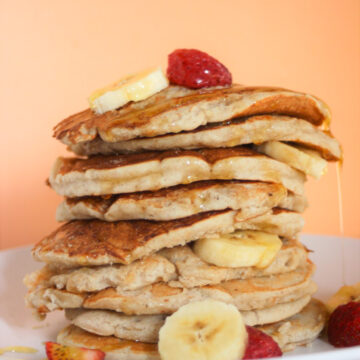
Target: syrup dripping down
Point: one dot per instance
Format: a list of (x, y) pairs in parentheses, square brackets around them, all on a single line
[(341, 218)]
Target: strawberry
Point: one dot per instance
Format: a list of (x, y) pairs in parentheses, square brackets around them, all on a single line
[(55, 351), (196, 69), (344, 325), (260, 345)]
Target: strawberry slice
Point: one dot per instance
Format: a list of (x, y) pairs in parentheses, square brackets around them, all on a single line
[(196, 69), (260, 345), (55, 351)]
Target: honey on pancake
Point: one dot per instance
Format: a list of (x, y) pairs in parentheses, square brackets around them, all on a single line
[(341, 217)]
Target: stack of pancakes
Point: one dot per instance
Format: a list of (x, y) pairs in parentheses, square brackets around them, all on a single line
[(152, 178)]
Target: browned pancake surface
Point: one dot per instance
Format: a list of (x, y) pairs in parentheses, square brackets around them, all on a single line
[(85, 126), (92, 239), (96, 242), (105, 343), (115, 161), (171, 193)]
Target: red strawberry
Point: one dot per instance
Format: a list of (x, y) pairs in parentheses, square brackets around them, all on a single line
[(196, 69), (55, 351), (344, 325), (260, 345)]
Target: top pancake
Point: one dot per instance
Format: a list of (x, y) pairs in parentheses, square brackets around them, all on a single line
[(178, 109)]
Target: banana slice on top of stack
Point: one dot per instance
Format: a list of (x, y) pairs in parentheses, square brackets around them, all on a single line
[(130, 88), (182, 212)]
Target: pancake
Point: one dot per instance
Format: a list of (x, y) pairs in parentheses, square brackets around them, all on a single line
[(294, 202), (177, 109), (178, 264), (115, 348), (105, 175), (145, 328), (297, 330), (95, 242), (136, 275), (45, 300), (301, 329), (251, 130), (259, 293), (250, 198), (278, 221), (192, 271), (162, 298)]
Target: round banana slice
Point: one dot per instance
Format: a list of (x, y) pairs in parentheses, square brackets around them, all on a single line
[(239, 249), (131, 88), (203, 330)]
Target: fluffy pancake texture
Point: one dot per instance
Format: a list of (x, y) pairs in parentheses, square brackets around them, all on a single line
[(95, 242), (251, 198), (192, 271), (138, 274), (146, 327), (177, 108), (300, 329), (178, 264), (242, 131), (104, 175), (143, 328), (166, 298), (249, 294), (297, 330), (115, 348)]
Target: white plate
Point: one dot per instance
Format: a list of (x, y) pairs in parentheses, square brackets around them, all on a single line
[(17, 327)]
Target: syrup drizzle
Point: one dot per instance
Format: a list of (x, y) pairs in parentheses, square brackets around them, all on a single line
[(341, 218)]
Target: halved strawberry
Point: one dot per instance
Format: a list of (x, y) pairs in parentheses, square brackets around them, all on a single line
[(196, 69), (55, 351), (344, 325), (260, 345)]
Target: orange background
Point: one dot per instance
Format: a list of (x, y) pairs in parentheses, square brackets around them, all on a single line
[(54, 53)]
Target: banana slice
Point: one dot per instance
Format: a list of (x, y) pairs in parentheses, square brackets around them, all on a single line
[(238, 249), (131, 88), (344, 295), (203, 330), (308, 161)]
